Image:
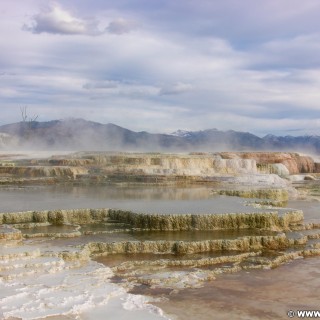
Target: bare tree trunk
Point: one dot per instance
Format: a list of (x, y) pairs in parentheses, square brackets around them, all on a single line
[(27, 123)]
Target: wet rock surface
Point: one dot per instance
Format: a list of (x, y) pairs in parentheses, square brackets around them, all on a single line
[(9, 233), (294, 162), (154, 167), (294, 286), (173, 263)]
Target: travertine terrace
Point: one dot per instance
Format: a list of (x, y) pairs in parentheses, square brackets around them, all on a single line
[(156, 167), (157, 250)]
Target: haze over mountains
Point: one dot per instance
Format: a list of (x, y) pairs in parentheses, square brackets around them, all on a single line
[(79, 134)]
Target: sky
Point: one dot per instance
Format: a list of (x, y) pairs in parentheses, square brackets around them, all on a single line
[(164, 65)]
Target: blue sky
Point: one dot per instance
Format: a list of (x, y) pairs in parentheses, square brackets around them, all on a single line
[(163, 65)]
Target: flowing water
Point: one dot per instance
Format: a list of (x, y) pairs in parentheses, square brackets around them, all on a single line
[(69, 286)]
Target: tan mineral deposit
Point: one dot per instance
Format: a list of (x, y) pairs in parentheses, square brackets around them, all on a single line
[(149, 251)]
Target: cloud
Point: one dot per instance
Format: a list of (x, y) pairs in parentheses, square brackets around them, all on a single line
[(109, 84), (121, 26), (57, 20), (187, 68), (177, 88), (300, 52)]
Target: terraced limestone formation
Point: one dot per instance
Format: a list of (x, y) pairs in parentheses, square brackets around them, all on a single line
[(294, 163), (47, 255), (167, 222), (38, 282), (273, 197), (140, 167), (104, 167), (93, 233)]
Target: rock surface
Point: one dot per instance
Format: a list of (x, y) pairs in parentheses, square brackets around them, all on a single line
[(255, 167), (294, 162)]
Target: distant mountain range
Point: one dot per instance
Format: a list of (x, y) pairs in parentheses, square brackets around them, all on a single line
[(79, 134)]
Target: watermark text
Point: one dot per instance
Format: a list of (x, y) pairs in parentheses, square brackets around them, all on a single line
[(307, 314)]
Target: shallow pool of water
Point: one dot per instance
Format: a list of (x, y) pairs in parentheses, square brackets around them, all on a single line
[(139, 199), (194, 235), (251, 295), (310, 208)]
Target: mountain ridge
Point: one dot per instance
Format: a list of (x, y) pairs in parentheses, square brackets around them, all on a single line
[(89, 135)]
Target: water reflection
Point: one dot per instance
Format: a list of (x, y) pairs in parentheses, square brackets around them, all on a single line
[(138, 198)]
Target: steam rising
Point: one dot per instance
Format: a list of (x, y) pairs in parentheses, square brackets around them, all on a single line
[(79, 134)]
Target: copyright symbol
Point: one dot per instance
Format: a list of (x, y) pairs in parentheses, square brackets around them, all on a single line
[(290, 313)]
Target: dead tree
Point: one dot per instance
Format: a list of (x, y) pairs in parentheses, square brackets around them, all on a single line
[(27, 122), (25, 117)]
